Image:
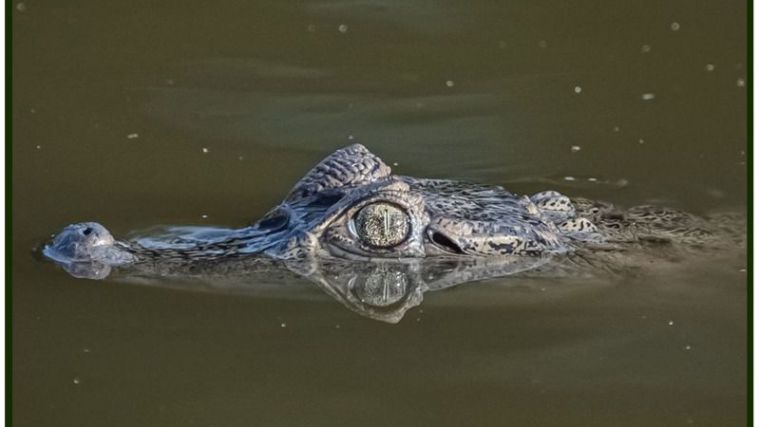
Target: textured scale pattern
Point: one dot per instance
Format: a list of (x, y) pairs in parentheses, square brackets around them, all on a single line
[(348, 167), (320, 219)]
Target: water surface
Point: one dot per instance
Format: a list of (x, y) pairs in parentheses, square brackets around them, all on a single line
[(206, 113)]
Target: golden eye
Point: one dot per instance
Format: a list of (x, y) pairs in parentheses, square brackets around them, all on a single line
[(382, 225)]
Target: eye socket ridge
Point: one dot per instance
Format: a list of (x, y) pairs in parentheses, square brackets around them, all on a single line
[(381, 224)]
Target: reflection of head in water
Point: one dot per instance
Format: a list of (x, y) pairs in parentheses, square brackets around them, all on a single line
[(385, 291)]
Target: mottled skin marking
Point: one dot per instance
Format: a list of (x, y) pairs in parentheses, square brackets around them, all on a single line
[(554, 205), (446, 219)]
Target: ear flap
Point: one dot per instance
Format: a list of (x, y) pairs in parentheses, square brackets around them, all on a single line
[(347, 167)]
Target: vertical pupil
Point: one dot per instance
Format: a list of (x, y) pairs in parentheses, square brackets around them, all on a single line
[(382, 224)]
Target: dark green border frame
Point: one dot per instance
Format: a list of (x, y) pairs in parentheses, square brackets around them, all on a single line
[(750, 211), (9, 5), (8, 214)]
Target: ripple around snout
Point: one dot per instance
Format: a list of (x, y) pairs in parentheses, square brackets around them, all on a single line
[(79, 242), (86, 250)]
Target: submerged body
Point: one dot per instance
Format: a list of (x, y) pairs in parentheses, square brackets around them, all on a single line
[(351, 214)]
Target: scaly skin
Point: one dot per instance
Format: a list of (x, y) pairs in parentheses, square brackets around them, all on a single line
[(426, 233)]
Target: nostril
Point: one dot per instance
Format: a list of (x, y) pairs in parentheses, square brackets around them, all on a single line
[(87, 231), (442, 240)]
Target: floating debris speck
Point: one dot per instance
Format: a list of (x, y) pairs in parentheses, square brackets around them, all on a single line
[(204, 150), (39, 147), (76, 380), (575, 148), (675, 26), (688, 347), (204, 216), (616, 129), (647, 96), (671, 323), (21, 7), (350, 137), (395, 163), (343, 28), (543, 44), (311, 28), (645, 48), (569, 178), (641, 140), (133, 136), (710, 67), (283, 324), (740, 82), (592, 179), (449, 83)]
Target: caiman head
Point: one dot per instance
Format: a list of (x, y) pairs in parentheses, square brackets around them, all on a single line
[(351, 206), (348, 207)]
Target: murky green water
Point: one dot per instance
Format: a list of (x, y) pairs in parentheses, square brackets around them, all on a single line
[(149, 113)]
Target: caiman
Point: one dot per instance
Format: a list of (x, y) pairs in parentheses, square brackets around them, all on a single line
[(350, 224)]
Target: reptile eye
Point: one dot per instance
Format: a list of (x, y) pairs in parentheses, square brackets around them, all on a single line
[(382, 225)]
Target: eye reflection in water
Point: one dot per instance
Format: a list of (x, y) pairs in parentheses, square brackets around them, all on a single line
[(380, 290)]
